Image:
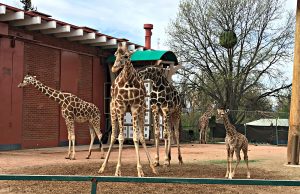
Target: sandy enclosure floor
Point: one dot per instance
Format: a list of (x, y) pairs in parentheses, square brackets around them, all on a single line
[(202, 161)]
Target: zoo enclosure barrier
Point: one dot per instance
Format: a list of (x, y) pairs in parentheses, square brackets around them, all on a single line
[(98, 179)]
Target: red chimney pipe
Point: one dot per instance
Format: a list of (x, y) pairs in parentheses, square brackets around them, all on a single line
[(148, 28)]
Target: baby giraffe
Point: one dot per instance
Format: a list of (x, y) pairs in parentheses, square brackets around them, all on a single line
[(235, 142)]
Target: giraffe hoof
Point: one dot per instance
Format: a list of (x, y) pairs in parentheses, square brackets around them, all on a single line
[(156, 164), (101, 170), (87, 157), (67, 157), (141, 174), (118, 173), (248, 176)]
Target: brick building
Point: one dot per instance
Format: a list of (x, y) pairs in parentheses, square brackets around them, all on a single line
[(63, 56)]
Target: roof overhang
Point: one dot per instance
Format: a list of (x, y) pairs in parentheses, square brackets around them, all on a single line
[(33, 20)]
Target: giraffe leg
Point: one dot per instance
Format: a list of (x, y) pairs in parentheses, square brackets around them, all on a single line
[(73, 145), (200, 136), (71, 138), (96, 127), (69, 149), (136, 140), (238, 159), (112, 137), (245, 151), (121, 141), (205, 135), (92, 133), (228, 156), (177, 120), (141, 126), (157, 132), (230, 163), (167, 136)]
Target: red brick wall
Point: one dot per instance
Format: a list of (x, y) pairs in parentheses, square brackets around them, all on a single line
[(85, 92), (60, 64), (40, 114)]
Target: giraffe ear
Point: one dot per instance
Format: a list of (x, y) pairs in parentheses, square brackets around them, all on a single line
[(227, 110), (34, 76)]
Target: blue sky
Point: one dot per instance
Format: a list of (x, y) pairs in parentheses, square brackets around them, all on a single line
[(118, 18)]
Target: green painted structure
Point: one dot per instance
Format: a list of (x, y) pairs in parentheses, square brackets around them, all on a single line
[(149, 55)]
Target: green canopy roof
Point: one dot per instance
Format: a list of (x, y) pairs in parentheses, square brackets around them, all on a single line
[(149, 55)]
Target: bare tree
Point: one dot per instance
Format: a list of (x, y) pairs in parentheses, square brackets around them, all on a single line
[(256, 63)]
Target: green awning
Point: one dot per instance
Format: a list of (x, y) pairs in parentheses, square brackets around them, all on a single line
[(149, 55)]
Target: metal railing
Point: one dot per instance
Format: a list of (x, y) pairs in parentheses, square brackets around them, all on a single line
[(95, 179)]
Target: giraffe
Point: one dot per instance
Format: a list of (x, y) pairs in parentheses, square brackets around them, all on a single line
[(235, 142), (203, 123), (127, 94), (73, 110), (165, 101)]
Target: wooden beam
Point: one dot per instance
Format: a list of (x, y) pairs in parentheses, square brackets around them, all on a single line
[(43, 26), (131, 47), (12, 16), (27, 21), (100, 39), (140, 48), (87, 36), (2, 9), (78, 32), (294, 129), (60, 29), (107, 43)]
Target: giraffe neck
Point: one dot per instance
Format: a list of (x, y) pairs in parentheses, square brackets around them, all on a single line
[(152, 73), (230, 129), (128, 73), (48, 91)]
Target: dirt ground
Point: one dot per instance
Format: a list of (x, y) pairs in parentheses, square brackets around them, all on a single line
[(200, 161)]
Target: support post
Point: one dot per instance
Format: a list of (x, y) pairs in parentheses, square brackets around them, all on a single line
[(94, 186), (294, 129)]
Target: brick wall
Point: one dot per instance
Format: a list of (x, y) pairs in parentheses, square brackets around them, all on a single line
[(40, 114), (85, 92)]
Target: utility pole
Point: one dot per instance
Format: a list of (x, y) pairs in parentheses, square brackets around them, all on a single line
[(293, 148)]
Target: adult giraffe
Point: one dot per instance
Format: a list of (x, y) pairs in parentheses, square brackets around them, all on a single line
[(127, 94), (73, 110), (165, 101)]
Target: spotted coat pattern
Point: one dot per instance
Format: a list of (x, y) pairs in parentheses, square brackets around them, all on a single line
[(73, 110), (203, 124), (165, 101), (235, 142), (127, 94)]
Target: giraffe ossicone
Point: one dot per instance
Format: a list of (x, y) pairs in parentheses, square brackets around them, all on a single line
[(73, 110)]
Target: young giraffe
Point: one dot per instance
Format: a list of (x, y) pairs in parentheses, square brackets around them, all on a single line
[(165, 100), (127, 94), (235, 142), (73, 110), (203, 124)]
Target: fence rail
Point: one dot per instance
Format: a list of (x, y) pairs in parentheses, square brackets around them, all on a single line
[(98, 179)]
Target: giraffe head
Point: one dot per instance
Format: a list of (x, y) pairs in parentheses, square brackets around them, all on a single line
[(122, 58), (28, 79), (222, 112)]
